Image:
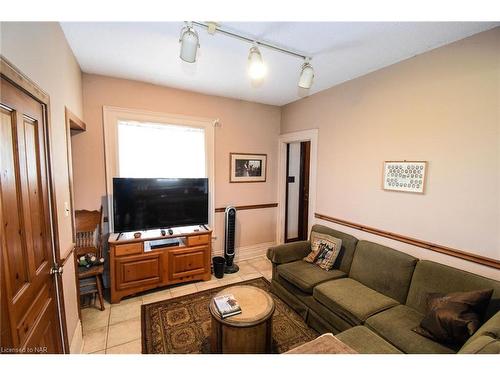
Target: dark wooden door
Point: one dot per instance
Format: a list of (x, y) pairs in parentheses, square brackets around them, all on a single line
[(305, 151), (29, 298)]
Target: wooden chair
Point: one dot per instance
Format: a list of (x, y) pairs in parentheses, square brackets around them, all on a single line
[(87, 225)]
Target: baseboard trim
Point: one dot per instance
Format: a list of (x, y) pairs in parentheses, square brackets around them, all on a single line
[(248, 252), (76, 346)]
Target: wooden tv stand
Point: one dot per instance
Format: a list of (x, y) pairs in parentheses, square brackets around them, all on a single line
[(136, 267)]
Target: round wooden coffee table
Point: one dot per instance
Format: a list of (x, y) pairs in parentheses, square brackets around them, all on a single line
[(248, 332)]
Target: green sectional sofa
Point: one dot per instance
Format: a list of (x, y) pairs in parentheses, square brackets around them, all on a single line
[(374, 295)]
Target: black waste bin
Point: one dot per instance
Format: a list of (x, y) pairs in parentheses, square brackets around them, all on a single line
[(219, 264)]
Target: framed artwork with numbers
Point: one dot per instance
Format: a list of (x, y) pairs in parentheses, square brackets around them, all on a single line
[(406, 176)]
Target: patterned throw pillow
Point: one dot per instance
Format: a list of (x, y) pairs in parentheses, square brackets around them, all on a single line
[(324, 250), (315, 239)]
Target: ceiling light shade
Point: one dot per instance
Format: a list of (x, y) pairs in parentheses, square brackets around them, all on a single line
[(189, 44), (256, 67), (306, 75)]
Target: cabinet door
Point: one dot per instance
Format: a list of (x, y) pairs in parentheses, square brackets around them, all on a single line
[(183, 263), (138, 270)]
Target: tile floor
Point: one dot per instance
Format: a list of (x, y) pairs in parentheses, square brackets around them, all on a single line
[(117, 329)]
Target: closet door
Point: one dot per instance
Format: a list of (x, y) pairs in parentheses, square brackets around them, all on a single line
[(27, 256)]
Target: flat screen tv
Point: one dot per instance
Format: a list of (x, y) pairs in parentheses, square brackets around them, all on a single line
[(152, 203)]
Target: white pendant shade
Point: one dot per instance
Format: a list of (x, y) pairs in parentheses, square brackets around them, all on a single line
[(189, 44), (256, 67), (306, 76)]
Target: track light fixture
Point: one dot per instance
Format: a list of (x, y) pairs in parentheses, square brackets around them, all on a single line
[(306, 75), (189, 43), (256, 68)]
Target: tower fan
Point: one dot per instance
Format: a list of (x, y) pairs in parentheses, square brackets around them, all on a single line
[(229, 251)]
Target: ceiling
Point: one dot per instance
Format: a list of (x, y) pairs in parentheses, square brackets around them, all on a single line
[(149, 52)]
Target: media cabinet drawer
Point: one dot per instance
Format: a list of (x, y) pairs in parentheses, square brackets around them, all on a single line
[(129, 249), (198, 240)]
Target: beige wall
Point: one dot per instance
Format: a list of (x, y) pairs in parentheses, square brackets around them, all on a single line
[(246, 127), (442, 106), (41, 52)]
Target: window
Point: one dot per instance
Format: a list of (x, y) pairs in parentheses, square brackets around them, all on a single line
[(148, 149), (148, 144)]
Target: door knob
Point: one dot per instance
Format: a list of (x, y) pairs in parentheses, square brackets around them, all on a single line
[(56, 270)]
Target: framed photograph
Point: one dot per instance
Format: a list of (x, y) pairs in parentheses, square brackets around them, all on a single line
[(247, 167), (406, 176)]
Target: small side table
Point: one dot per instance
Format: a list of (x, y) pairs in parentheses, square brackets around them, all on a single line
[(249, 332)]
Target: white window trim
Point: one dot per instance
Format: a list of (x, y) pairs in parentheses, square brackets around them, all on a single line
[(111, 117)]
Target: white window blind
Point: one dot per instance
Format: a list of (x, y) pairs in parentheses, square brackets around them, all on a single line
[(160, 150)]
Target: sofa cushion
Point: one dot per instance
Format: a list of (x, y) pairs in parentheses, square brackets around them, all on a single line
[(428, 278), (351, 300), (306, 276), (344, 259), (314, 313), (486, 340), (484, 344), (395, 325), (386, 270), (365, 341)]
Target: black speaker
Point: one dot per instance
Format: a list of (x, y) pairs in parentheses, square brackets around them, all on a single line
[(229, 250)]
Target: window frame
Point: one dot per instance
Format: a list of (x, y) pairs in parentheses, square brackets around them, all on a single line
[(111, 117)]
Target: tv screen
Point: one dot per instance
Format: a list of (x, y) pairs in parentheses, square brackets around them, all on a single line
[(152, 203)]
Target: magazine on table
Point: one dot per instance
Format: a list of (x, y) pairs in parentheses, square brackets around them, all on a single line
[(227, 305)]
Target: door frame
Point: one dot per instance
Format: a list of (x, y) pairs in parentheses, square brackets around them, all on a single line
[(74, 126), (285, 138), (11, 73)]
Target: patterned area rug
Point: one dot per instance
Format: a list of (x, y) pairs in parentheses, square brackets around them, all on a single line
[(182, 324)]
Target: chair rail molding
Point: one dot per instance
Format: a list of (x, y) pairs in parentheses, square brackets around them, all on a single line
[(479, 259), (249, 207)]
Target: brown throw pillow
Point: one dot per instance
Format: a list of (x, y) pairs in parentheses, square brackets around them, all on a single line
[(452, 318)]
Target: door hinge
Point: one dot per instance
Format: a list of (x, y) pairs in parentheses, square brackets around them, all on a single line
[(56, 270)]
